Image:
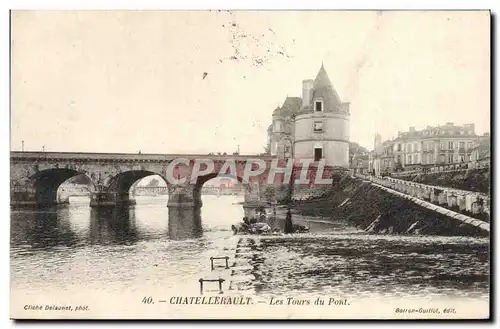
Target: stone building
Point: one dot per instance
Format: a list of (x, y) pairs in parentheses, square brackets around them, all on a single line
[(481, 152), (315, 126), (446, 144)]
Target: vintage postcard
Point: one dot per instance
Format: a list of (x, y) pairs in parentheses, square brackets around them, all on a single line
[(219, 164)]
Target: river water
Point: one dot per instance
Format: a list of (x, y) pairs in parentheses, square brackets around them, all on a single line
[(75, 249)]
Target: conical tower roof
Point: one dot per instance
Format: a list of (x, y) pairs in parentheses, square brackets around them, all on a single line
[(323, 88), (277, 111)]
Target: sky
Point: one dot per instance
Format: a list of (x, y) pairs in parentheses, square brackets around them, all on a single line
[(208, 81)]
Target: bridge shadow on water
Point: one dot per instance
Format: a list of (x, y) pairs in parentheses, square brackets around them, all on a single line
[(119, 225), (116, 225), (76, 226), (59, 227), (42, 230)]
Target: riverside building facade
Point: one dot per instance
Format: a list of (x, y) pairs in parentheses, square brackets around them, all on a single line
[(446, 144)]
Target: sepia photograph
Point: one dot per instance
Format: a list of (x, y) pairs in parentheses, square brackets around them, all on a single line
[(250, 164)]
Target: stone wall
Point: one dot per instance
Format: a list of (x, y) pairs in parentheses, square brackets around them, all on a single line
[(477, 180), (373, 209)]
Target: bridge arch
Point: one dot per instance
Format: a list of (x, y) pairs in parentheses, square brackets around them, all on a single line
[(47, 182), (198, 186), (117, 191)]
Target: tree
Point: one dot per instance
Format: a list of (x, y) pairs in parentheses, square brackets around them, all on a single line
[(153, 183), (80, 179), (355, 148), (270, 193)]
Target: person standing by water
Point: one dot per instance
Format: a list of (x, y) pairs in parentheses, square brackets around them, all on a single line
[(288, 222)]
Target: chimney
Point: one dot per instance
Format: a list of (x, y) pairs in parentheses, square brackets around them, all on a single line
[(307, 86), (412, 129), (377, 140)]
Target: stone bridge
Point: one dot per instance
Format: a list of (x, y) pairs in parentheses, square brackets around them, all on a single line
[(36, 176)]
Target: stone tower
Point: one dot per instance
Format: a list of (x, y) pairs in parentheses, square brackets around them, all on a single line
[(322, 123)]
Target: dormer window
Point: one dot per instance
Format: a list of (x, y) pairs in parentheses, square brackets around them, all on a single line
[(318, 106)]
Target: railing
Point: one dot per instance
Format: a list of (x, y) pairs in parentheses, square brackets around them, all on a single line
[(18, 155), (451, 167), (466, 201)]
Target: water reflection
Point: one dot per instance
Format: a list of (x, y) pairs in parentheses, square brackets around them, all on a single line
[(184, 223), (42, 230), (50, 250), (115, 225)]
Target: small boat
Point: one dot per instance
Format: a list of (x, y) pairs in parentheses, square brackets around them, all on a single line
[(299, 228), (255, 228)]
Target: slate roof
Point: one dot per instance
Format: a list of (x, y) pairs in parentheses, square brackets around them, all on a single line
[(290, 106), (323, 88)]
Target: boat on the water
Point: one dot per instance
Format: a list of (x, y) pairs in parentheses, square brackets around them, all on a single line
[(259, 224)]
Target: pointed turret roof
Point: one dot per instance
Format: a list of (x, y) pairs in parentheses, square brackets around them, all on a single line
[(277, 111), (323, 88)]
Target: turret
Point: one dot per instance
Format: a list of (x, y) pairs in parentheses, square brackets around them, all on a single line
[(322, 125)]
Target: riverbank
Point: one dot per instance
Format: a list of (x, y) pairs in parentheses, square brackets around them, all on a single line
[(358, 266), (372, 209)]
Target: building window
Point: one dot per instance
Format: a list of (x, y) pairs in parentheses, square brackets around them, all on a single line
[(409, 159), (450, 145), (318, 153), (462, 146), (318, 106), (318, 126), (277, 126), (431, 159), (441, 158), (450, 158)]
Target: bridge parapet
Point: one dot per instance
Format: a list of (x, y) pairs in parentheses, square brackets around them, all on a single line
[(466, 201), (118, 157)]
